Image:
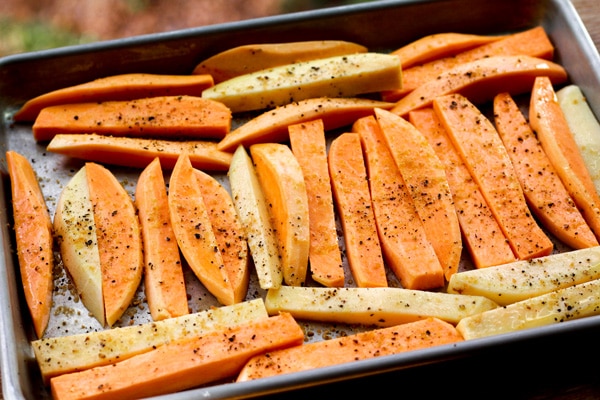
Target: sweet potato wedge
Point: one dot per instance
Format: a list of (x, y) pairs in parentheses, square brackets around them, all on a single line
[(543, 189), (164, 283), (549, 123), (181, 364), (482, 235), (340, 76), (439, 45), (282, 182), (181, 117), (406, 248), (533, 42), (34, 239), (194, 232), (484, 154), (117, 87), (307, 141), (425, 176), (249, 201), (70, 353), (272, 126), (584, 126), (228, 231), (250, 58), (353, 203), (119, 240), (481, 80), (359, 346), (139, 152), (373, 306)]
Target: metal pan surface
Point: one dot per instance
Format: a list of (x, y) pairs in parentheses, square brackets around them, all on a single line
[(381, 26)]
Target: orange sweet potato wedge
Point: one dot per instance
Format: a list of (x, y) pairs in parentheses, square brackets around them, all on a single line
[(194, 232), (139, 152), (353, 202), (173, 117), (228, 231), (309, 147), (421, 334), (533, 42), (119, 240), (404, 242), (163, 273), (481, 232), (425, 176), (282, 182), (547, 196), (181, 364), (482, 150), (548, 121), (439, 45), (34, 240), (482, 79), (272, 126), (117, 87), (255, 57)]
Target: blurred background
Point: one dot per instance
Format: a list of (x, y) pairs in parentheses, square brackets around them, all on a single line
[(30, 25)]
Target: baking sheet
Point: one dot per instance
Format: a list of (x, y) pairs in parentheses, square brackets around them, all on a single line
[(380, 25)]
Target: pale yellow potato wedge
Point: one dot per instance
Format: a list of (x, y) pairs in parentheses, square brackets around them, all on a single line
[(338, 76), (64, 354), (584, 126), (520, 280), (373, 306), (75, 230), (251, 206), (570, 303), (255, 57), (282, 183)]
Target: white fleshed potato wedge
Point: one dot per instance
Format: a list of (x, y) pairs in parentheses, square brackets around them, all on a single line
[(100, 241), (282, 183), (75, 230), (584, 127), (249, 201), (561, 305), (381, 306), (520, 280), (338, 76), (249, 58), (64, 354)]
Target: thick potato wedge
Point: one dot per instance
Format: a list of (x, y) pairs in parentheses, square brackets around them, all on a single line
[(249, 201), (255, 57), (373, 306), (584, 127), (56, 356), (75, 230), (520, 280), (340, 76), (565, 304)]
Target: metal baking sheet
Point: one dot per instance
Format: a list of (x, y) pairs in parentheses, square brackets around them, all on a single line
[(379, 25)]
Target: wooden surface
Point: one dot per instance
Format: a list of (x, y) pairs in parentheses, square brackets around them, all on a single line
[(569, 372)]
